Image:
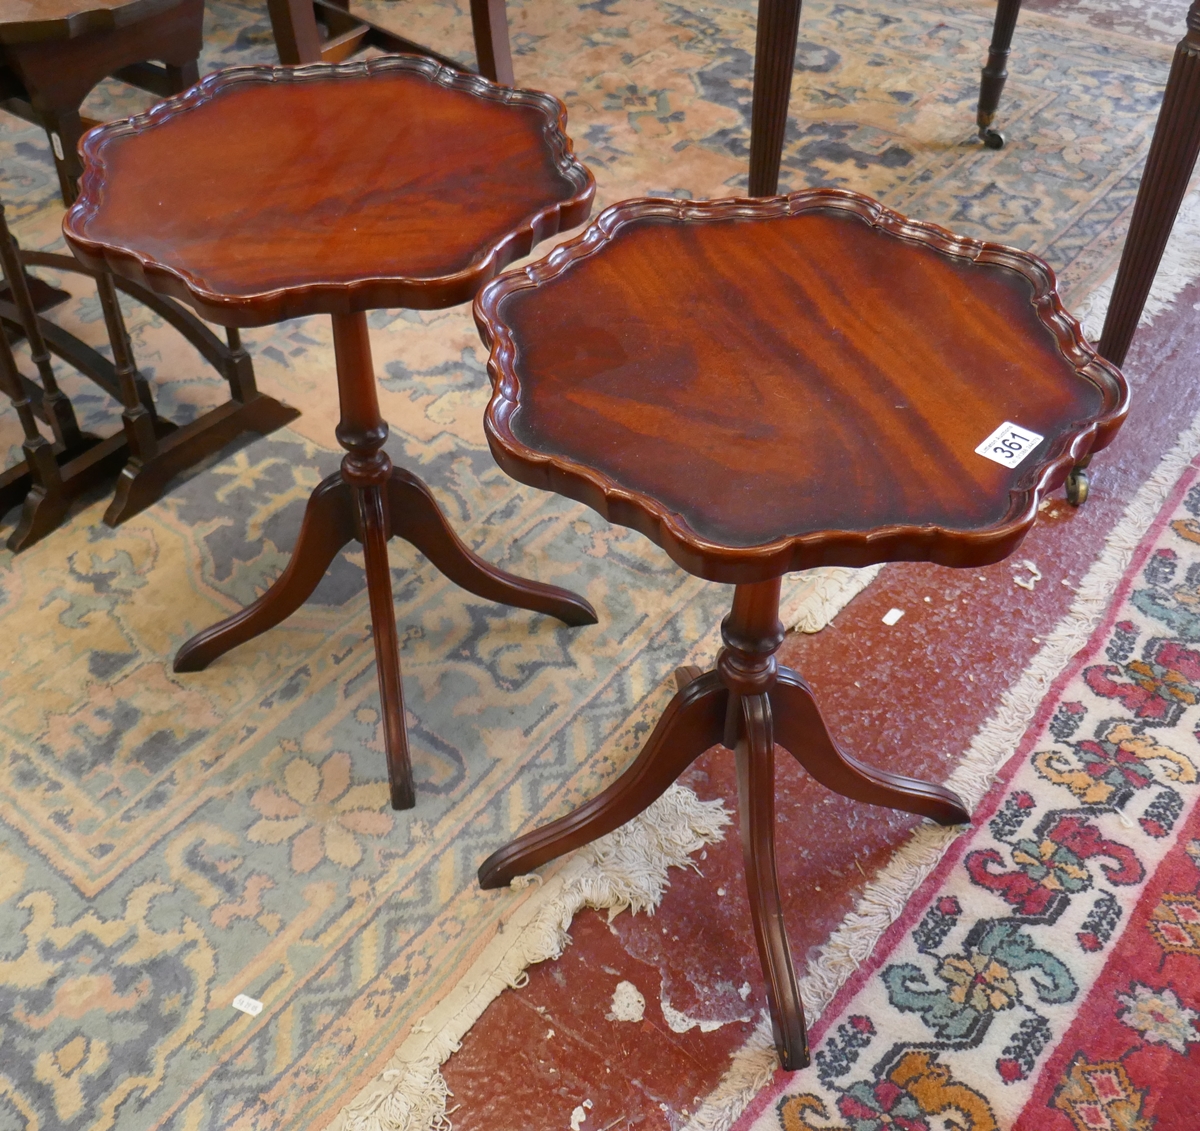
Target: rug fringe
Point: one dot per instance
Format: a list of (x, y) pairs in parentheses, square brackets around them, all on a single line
[(810, 610), (626, 869), (882, 902)]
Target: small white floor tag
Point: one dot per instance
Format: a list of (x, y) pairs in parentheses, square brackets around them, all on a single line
[(247, 1005), (1009, 444)]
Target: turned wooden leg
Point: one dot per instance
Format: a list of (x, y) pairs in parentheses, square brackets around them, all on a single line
[(1172, 157), (416, 517), (756, 802), (55, 403), (693, 721), (493, 55), (774, 62), (328, 526), (800, 729), (44, 501), (991, 84)]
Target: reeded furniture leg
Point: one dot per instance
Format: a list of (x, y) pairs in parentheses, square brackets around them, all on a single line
[(756, 802), (1172, 157), (693, 721), (800, 729), (416, 517), (774, 62), (328, 526), (991, 84)]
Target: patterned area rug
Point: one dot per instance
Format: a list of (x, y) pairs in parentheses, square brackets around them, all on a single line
[(1046, 975), (166, 842)]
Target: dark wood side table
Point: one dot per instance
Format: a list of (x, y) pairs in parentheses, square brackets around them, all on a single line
[(339, 189), (767, 386), (52, 53)]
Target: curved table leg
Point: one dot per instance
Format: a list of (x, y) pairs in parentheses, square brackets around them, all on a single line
[(373, 518), (800, 729), (416, 517), (756, 802), (693, 721), (328, 526), (991, 83)]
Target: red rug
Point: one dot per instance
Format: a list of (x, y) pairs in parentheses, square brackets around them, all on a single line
[(1046, 974)]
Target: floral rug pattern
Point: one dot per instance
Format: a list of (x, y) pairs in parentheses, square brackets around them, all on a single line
[(1047, 976), (168, 842)]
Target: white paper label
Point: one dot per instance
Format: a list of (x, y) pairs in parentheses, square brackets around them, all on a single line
[(1009, 444), (892, 616), (247, 1005), (56, 143)]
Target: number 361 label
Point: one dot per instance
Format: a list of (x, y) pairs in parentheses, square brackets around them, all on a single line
[(1009, 444)]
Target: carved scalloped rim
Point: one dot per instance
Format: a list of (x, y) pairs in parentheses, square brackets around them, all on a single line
[(321, 297), (720, 562)]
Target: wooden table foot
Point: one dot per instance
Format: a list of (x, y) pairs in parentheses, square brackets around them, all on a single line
[(749, 704), (328, 526), (416, 517), (146, 477)]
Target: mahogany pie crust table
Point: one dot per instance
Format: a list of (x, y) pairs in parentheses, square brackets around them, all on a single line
[(267, 193), (767, 386)]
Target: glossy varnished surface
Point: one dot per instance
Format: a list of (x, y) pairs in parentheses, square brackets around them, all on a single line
[(267, 193), (790, 383), (32, 21)]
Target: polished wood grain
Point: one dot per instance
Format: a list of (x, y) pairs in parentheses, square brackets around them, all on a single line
[(449, 178), (761, 386), (774, 385), (394, 182)]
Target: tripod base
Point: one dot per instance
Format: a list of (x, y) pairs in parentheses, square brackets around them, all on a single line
[(749, 704), (338, 514)]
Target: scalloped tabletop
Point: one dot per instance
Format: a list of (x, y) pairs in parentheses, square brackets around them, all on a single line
[(776, 385), (267, 193)]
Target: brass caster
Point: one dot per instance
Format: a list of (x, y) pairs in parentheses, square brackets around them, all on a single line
[(992, 138), (1077, 487)]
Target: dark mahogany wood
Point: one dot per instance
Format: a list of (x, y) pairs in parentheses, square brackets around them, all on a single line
[(1169, 165), (748, 704), (991, 83), (762, 386), (441, 179), (464, 177), (326, 31), (805, 384), (53, 52)]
